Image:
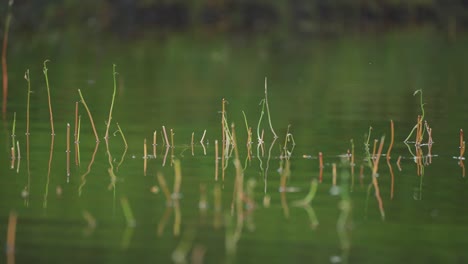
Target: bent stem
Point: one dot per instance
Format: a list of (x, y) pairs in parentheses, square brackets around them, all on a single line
[(89, 114)]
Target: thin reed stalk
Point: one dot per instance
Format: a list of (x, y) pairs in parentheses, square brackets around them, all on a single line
[(4, 59), (334, 174), (145, 157), (154, 143), (192, 144), (76, 133), (217, 218), (28, 100), (172, 146), (48, 97), (398, 163), (203, 137), (352, 165), (68, 150), (18, 157), (114, 73), (216, 160), (268, 109), (89, 114), (418, 136), (78, 141), (165, 136), (13, 135), (392, 135), (374, 178), (49, 169)]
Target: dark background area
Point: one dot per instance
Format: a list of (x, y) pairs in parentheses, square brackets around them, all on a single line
[(303, 17)]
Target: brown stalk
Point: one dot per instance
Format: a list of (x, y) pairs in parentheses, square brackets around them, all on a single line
[(374, 178), (4, 59), (89, 114), (392, 134)]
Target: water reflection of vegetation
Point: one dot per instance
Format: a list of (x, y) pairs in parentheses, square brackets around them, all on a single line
[(243, 193)]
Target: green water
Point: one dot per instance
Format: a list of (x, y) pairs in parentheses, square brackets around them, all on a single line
[(329, 90)]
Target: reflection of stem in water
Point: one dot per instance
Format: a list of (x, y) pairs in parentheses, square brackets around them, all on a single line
[(127, 211), (91, 223), (310, 196), (177, 179), (126, 146), (217, 207), (392, 184), (91, 162), (202, 203), (249, 141), (312, 216), (183, 248), (198, 254), (165, 136), (204, 148), (162, 223), (126, 237), (374, 178), (165, 189), (265, 176), (260, 161), (165, 155), (285, 174), (11, 237), (113, 177), (49, 170), (177, 218), (344, 220)]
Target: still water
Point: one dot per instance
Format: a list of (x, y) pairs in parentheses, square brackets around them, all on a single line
[(323, 95)]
